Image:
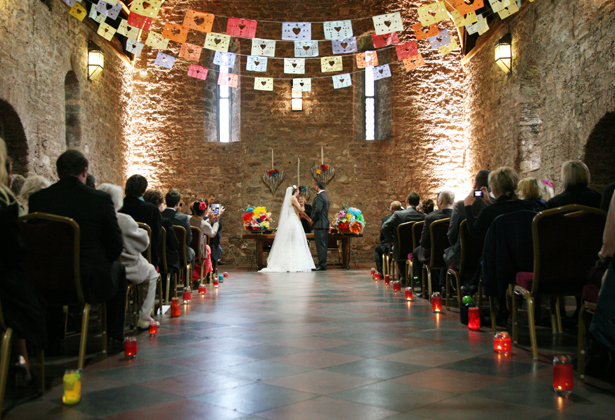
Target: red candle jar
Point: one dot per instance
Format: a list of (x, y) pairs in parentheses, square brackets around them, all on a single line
[(408, 293), (187, 295), (562, 375), (225, 275), (202, 289), (175, 309), (372, 272), (396, 286), (502, 343), (130, 347), (377, 276), (216, 283), (474, 318), (153, 329), (387, 279), (436, 302)]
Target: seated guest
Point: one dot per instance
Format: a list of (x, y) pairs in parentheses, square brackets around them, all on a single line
[(33, 184), (383, 246), (215, 242), (103, 278), (307, 209), (143, 212), (172, 199), (138, 270), (546, 188), (20, 306), (90, 181), (575, 180), (389, 228), (17, 182), (530, 190), (201, 219), (427, 207)]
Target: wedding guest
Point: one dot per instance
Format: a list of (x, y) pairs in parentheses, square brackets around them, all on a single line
[(173, 199), (33, 184), (17, 182), (90, 181), (383, 246), (102, 276), (307, 209), (215, 242), (143, 212), (202, 214), (530, 190), (138, 270), (546, 187), (575, 180), (427, 206)]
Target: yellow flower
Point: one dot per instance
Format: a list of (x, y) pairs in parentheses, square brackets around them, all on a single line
[(259, 210), (318, 171)]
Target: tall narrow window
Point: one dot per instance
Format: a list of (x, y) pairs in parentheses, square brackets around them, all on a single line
[(224, 111), (370, 105)]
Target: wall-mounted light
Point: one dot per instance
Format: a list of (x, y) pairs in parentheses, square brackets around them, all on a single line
[(503, 53), (297, 101), (96, 60)]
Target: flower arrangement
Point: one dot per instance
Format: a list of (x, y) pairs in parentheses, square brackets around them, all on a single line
[(273, 172), (350, 219), (256, 219), (323, 168)]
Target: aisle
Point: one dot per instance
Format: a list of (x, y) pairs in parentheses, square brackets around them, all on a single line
[(332, 345)]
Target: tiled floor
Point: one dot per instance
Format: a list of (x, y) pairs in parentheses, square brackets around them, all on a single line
[(332, 345)]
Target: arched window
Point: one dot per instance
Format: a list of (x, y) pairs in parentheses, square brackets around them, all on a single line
[(12, 132), (72, 110)]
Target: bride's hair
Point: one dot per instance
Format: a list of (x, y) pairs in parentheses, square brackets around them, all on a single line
[(294, 189)]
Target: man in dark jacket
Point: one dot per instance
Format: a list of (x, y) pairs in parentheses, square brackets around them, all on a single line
[(382, 247), (320, 218), (172, 199)]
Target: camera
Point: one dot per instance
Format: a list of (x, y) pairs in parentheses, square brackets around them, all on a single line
[(216, 208), (478, 193)]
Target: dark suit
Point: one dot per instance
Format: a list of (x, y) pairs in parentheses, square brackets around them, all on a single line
[(389, 230), (181, 219), (172, 246), (103, 278), (146, 213), (452, 255), (422, 253), (381, 248), (583, 196), (306, 225), (320, 217)]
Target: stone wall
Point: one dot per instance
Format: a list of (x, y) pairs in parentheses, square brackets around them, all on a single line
[(561, 86), (41, 46)]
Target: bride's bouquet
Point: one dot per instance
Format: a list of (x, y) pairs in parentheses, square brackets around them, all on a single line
[(350, 220), (256, 219)]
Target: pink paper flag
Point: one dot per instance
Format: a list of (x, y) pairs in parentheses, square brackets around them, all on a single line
[(198, 72), (228, 79), (384, 40), (241, 27), (138, 21), (406, 50)]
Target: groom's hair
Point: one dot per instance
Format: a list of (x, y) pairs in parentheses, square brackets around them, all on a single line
[(321, 185), (413, 199)]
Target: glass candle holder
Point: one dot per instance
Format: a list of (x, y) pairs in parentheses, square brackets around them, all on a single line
[(474, 318), (436, 302), (216, 283), (377, 276), (502, 343), (225, 275), (221, 278), (202, 289), (372, 272), (175, 309), (396, 286), (72, 387), (130, 347), (387, 279), (408, 293), (187, 295), (562, 375), (153, 329)]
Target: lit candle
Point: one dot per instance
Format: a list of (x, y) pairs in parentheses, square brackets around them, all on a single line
[(387, 279), (377, 276), (72, 387), (436, 302), (396, 286), (216, 283), (221, 278), (153, 329), (175, 309), (372, 272), (130, 347), (187, 295), (474, 318), (408, 293), (202, 289), (225, 275), (502, 343), (562, 375)]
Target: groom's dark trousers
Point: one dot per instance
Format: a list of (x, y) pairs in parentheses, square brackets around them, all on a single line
[(320, 217), (321, 238)]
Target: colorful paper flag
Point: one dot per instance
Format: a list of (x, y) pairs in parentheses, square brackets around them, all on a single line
[(263, 47), (243, 28), (190, 52), (225, 59), (164, 60), (385, 24), (328, 64), (156, 40), (367, 59), (256, 63), (217, 42), (177, 33), (381, 72), (497, 5), (384, 40), (509, 11), (198, 72), (110, 10), (134, 47), (198, 21), (337, 29), (406, 50), (296, 31), (465, 8), (447, 49), (440, 40), (263, 83), (141, 22), (127, 30), (302, 85), (342, 81), (306, 48), (294, 65), (228, 79), (95, 16), (148, 8), (432, 13), (344, 46), (106, 31), (420, 34), (461, 21), (414, 62), (78, 11)]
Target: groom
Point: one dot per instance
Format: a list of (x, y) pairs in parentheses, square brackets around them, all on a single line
[(320, 218)]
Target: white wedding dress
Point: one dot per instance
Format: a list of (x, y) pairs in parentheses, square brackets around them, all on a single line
[(290, 252)]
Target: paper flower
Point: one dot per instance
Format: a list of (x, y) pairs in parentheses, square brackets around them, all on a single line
[(318, 171), (248, 216), (356, 227)]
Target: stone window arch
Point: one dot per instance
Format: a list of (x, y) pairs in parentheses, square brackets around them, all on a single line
[(12, 132)]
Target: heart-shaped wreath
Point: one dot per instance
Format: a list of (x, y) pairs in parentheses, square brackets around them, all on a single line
[(272, 178), (323, 173)]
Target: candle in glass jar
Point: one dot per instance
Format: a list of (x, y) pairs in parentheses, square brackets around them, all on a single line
[(225, 275), (396, 286), (202, 289), (221, 278), (474, 318), (72, 387), (377, 276), (175, 309), (187, 296), (216, 283), (130, 347), (562, 375), (502, 343), (373, 272), (153, 329), (387, 279), (408, 293), (436, 302)]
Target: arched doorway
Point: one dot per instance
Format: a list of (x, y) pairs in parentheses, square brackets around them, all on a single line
[(600, 152), (11, 131), (72, 108)]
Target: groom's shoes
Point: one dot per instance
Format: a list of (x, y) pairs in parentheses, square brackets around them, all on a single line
[(319, 268)]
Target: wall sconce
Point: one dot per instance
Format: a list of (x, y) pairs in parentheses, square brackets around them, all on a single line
[(96, 60), (297, 101), (503, 53)]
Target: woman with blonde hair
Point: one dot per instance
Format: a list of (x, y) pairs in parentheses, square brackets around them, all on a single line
[(530, 190), (33, 184), (575, 180)]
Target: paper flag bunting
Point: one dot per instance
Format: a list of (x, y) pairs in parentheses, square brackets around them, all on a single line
[(461, 21), (263, 83), (134, 47), (264, 47), (197, 71), (465, 8), (344, 46), (432, 13), (342, 81), (306, 48), (78, 11), (480, 26), (156, 40), (95, 16), (127, 31), (328, 64), (367, 59), (414, 62), (217, 42), (508, 11), (164, 60), (385, 24), (440, 40), (190, 52), (109, 1), (106, 31), (138, 21), (406, 50), (294, 65), (497, 5), (296, 31), (174, 32), (381, 72), (243, 28), (198, 21), (70, 3), (256, 63), (108, 9), (228, 79), (337, 29), (420, 34), (149, 8), (447, 49), (384, 40), (226, 59), (302, 85)]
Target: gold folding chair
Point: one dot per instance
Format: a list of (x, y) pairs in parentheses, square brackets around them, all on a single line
[(439, 242)]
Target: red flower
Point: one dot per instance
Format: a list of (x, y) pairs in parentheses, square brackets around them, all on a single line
[(248, 216), (324, 167), (343, 226)]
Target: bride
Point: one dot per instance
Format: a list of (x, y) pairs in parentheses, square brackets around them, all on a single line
[(290, 251)]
